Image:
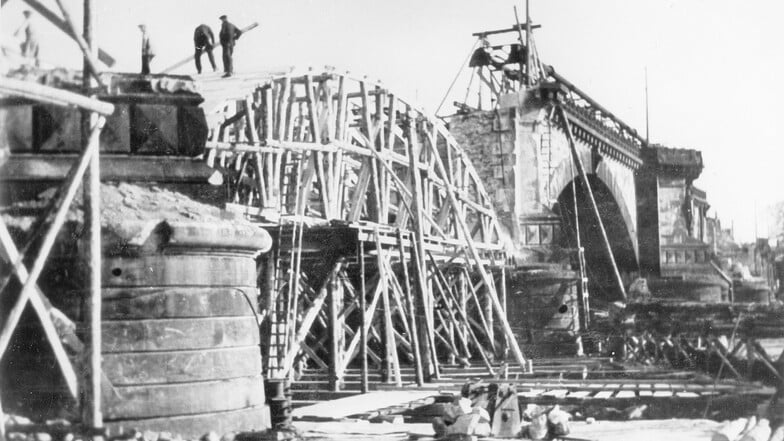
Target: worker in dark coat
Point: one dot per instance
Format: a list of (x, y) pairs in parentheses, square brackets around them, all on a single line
[(228, 35), (203, 40), (148, 53)]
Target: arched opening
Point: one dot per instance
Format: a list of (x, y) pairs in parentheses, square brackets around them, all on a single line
[(602, 283)]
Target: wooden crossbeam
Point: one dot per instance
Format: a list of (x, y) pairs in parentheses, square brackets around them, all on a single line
[(369, 313), (10, 254), (448, 299), (307, 322), (488, 331), (29, 286)]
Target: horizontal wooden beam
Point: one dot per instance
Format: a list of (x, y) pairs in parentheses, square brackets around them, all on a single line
[(51, 95), (26, 167), (514, 28)]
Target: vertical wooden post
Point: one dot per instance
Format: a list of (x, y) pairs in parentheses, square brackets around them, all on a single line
[(335, 327), (91, 392), (2, 419), (488, 307), (505, 347), (391, 362), (584, 178), (420, 275), (411, 311), (463, 299), (363, 320)]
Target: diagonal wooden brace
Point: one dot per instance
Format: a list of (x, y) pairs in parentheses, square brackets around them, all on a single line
[(48, 241), (307, 321), (9, 252)]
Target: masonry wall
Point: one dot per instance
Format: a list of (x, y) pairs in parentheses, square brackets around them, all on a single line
[(646, 186), (679, 252), (488, 138)]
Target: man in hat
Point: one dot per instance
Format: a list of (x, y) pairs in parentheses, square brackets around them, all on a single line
[(228, 35), (147, 50), (29, 46), (203, 40)]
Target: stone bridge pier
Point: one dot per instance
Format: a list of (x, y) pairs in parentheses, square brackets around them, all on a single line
[(522, 151)]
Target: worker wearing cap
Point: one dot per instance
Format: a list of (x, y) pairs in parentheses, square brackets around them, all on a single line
[(29, 46), (228, 35), (203, 40), (147, 50)]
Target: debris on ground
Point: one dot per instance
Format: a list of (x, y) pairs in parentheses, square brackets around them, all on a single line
[(491, 409), (748, 429)]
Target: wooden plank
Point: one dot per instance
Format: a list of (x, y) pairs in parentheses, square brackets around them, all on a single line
[(360, 404), (556, 393), (578, 394), (662, 393)]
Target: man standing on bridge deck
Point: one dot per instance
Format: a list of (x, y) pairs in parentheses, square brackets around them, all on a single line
[(29, 46), (203, 40), (228, 35), (147, 51)]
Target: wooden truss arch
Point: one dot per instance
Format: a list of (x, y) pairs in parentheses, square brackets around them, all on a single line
[(316, 155), (335, 148)]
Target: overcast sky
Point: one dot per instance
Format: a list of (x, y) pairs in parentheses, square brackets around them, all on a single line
[(715, 67)]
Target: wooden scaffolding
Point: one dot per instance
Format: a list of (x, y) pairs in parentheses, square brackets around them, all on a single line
[(387, 245)]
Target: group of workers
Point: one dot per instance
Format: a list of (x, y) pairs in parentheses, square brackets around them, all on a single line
[(203, 41)]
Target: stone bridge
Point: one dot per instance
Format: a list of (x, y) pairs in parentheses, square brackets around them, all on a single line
[(522, 151)]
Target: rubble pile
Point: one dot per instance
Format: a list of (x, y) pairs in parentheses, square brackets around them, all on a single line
[(19, 428), (748, 429), (490, 409)]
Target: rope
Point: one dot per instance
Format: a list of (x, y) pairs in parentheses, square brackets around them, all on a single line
[(462, 66)]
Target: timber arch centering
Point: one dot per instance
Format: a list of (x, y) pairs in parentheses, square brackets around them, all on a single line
[(370, 201)]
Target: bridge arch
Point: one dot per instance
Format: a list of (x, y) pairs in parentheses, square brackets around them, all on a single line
[(613, 187), (618, 179)]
